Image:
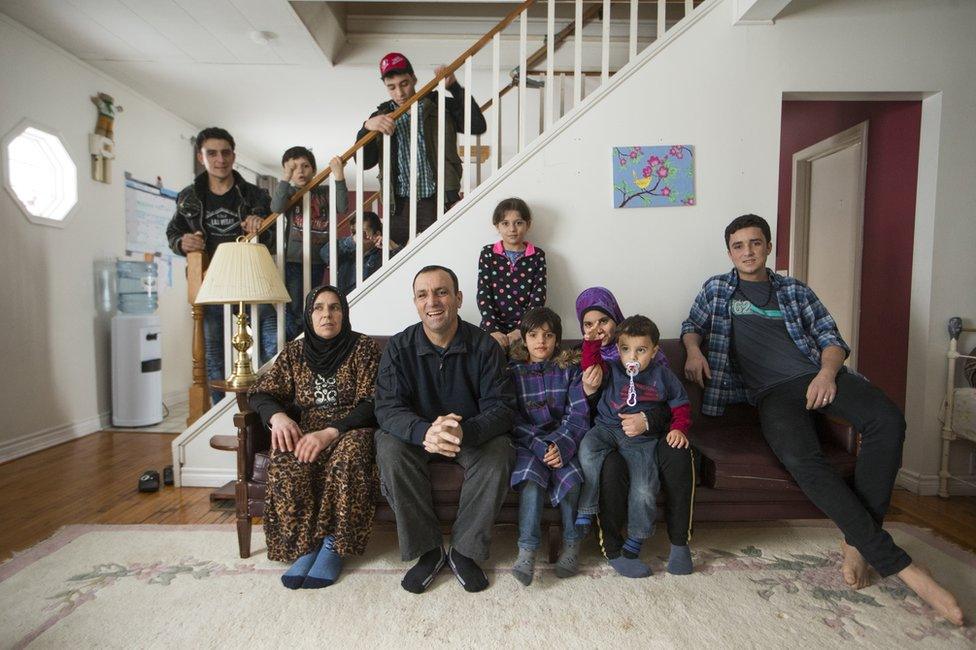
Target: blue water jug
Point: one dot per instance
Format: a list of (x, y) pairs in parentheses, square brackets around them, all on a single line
[(136, 287)]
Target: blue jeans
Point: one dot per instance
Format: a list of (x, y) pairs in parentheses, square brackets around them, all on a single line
[(639, 454), (213, 340), (533, 498), (294, 282)]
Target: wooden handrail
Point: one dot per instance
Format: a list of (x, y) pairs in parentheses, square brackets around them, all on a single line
[(447, 71)]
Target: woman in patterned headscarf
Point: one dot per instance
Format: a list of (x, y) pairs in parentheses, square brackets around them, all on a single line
[(321, 479)]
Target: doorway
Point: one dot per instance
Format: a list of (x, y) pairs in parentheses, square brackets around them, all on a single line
[(827, 226)]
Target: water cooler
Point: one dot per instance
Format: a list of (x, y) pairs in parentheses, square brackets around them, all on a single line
[(137, 376)]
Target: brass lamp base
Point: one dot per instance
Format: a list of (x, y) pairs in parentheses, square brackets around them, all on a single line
[(243, 374)]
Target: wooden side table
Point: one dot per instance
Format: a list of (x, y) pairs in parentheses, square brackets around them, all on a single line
[(228, 491)]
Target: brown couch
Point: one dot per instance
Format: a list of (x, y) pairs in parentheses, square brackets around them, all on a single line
[(740, 478)]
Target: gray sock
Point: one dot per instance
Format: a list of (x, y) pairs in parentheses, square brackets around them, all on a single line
[(679, 560), (568, 563), (524, 567), (630, 567)]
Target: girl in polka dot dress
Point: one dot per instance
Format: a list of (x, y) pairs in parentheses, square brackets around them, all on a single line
[(511, 273)]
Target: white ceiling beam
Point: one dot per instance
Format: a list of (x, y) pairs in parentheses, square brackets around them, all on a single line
[(758, 12), (326, 23)]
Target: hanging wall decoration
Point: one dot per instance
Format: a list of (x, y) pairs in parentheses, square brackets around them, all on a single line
[(654, 177), (101, 143)]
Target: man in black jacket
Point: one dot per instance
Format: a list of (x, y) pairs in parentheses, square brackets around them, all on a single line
[(401, 84), (219, 207), (443, 389)]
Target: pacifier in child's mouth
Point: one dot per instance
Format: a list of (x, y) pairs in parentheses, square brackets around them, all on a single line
[(632, 368)]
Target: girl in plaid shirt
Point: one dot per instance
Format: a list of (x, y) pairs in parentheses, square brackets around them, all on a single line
[(551, 419)]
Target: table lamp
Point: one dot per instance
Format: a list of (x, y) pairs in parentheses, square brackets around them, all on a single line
[(240, 273)]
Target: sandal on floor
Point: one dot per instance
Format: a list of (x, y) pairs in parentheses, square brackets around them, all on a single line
[(149, 481)]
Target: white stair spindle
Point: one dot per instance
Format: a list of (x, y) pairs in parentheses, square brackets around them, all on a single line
[(496, 106), (578, 56), (632, 50), (662, 15), (468, 94), (478, 167), (689, 7), (414, 146), (441, 120), (605, 61), (523, 73), (550, 55), (387, 212), (280, 263), (562, 95), (307, 243), (542, 113), (333, 234), (359, 218)]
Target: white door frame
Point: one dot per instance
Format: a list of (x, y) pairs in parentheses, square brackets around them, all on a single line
[(800, 213)]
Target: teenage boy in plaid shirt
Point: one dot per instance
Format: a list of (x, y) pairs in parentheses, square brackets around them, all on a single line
[(768, 339)]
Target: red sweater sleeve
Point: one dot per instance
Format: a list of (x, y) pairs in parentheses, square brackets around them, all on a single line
[(591, 355), (681, 418)]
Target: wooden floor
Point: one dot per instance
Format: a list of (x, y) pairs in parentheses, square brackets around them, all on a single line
[(93, 480)]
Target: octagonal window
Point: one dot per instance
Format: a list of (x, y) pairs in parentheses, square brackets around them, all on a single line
[(39, 174)]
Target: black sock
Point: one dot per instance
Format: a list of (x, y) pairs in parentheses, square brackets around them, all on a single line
[(632, 547), (468, 573), (423, 572)]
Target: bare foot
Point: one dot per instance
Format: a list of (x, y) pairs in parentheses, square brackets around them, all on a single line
[(921, 582), (857, 574)]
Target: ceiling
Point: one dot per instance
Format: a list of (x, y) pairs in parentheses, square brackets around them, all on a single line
[(181, 31)]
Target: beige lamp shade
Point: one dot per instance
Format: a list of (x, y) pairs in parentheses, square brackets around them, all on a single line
[(242, 272)]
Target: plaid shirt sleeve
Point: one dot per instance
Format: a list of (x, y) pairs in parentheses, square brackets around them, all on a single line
[(818, 321), (698, 321)]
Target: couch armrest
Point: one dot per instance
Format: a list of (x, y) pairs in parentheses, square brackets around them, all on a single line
[(841, 433), (252, 438)]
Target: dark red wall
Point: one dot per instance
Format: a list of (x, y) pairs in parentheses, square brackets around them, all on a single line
[(889, 220)]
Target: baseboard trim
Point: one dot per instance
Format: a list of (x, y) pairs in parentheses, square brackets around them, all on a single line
[(205, 476), (40, 440), (928, 484)]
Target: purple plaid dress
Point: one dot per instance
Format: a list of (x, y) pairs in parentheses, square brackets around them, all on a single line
[(552, 409)]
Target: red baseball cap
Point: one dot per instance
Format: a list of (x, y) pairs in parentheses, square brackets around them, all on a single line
[(394, 63)]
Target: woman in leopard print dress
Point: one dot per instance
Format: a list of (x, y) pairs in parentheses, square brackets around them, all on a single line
[(322, 477)]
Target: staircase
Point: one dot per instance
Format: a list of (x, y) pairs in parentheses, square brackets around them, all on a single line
[(622, 37)]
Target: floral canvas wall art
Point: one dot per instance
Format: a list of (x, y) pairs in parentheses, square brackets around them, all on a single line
[(653, 177)]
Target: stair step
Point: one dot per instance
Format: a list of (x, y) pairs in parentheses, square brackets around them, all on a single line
[(224, 443)]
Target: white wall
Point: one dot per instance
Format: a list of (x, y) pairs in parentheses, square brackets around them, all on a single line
[(55, 350), (720, 88)]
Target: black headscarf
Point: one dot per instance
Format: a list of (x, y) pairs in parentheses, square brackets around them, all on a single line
[(324, 356)]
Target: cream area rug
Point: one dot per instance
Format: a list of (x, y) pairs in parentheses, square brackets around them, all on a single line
[(755, 586)]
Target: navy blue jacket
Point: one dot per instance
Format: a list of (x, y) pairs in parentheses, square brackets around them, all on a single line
[(416, 384)]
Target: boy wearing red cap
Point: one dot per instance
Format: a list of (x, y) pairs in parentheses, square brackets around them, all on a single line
[(401, 83)]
